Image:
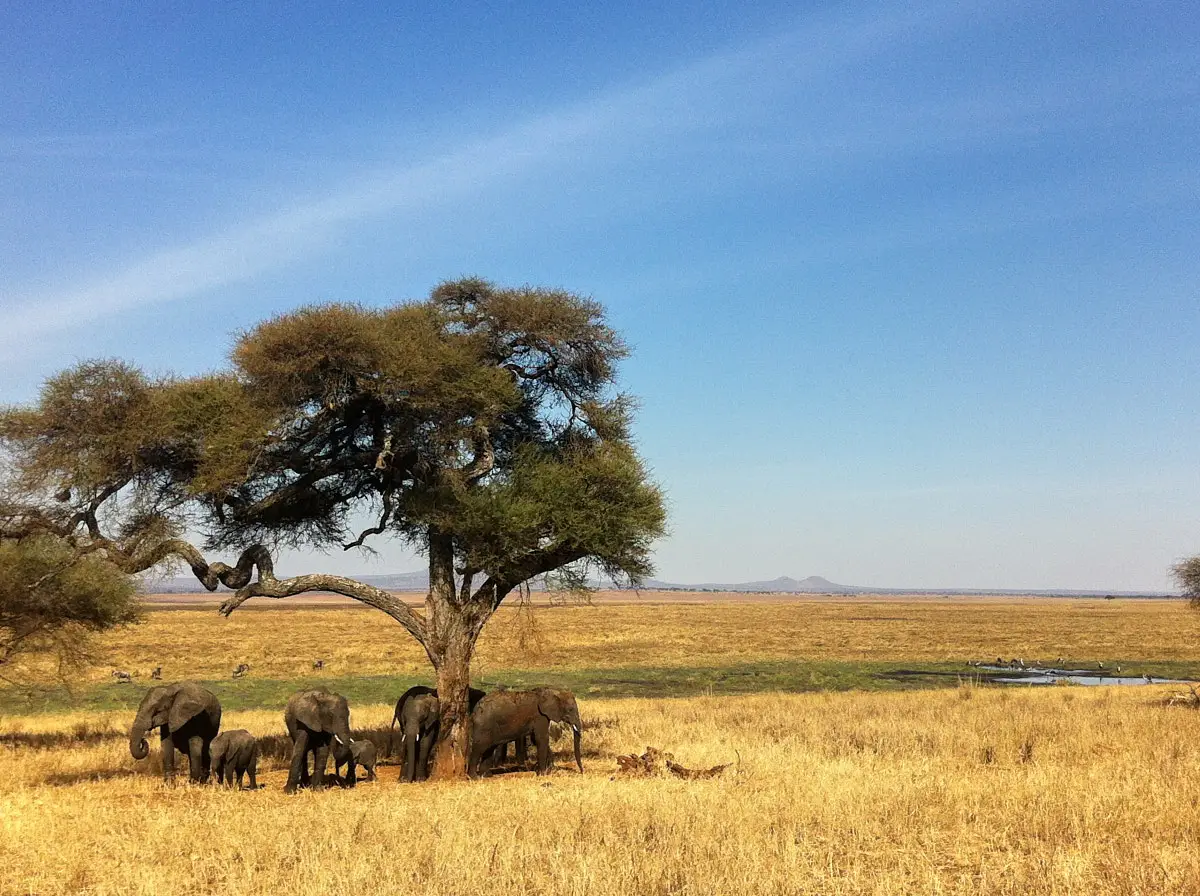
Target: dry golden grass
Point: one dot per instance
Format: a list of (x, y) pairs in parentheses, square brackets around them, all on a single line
[(1064, 790), (981, 791), (282, 643)]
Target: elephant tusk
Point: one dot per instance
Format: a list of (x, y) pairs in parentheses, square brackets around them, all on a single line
[(339, 740)]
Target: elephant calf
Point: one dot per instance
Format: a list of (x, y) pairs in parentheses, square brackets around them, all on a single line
[(235, 753), (361, 752)]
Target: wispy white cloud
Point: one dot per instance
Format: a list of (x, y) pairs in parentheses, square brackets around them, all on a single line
[(692, 99)]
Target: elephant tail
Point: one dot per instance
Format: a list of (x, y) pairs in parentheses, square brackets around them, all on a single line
[(392, 727)]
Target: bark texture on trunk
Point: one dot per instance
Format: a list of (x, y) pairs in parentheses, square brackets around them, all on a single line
[(452, 626)]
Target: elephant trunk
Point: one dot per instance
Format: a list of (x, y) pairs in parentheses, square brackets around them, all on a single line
[(341, 733), (578, 756), (138, 748)]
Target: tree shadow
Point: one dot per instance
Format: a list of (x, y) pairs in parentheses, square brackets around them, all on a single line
[(68, 779), (82, 734)]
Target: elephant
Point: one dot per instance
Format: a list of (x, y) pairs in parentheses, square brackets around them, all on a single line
[(235, 753), (187, 717), (418, 712), (361, 752), (504, 716), (315, 719)]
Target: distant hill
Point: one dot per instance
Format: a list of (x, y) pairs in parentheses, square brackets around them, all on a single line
[(419, 581)]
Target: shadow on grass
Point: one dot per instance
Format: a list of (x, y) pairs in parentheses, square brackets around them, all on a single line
[(68, 779), (82, 734)]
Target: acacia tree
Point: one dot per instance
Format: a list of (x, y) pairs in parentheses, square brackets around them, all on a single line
[(1186, 574), (53, 599), (480, 426)]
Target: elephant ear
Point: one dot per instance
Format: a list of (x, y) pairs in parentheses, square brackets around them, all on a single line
[(184, 708), (308, 714), (550, 705)]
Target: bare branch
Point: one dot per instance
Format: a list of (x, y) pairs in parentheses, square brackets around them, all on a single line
[(485, 457), (268, 586), (499, 584), (376, 529)]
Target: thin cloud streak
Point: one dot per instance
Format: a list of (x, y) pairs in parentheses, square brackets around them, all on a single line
[(689, 99)]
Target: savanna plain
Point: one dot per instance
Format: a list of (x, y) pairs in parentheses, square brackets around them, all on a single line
[(865, 753)]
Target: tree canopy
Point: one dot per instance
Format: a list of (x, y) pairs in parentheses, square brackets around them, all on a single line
[(52, 599), (1186, 574), (481, 426)]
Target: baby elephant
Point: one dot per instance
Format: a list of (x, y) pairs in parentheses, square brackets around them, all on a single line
[(235, 752), (360, 752)]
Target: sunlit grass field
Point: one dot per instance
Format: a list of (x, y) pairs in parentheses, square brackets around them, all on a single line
[(280, 642), (962, 789)]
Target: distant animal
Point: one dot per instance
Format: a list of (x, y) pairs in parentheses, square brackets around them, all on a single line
[(1149, 679), (1099, 665), (318, 664), (241, 670), (418, 713), (156, 675), (122, 677), (314, 720), (235, 753), (511, 715), (361, 752), (187, 717)]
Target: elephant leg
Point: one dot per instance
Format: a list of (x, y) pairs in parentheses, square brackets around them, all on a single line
[(320, 760), (252, 770), (427, 745), (351, 776), (196, 758), (168, 758), (205, 759), (500, 754), (541, 737), (521, 748), (409, 744), (298, 772)]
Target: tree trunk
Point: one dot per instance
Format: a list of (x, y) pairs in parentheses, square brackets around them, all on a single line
[(453, 684), (453, 627)]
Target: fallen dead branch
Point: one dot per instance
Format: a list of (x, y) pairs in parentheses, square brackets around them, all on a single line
[(1191, 699), (655, 762)]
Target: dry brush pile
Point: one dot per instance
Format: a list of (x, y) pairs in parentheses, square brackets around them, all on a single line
[(1055, 791)]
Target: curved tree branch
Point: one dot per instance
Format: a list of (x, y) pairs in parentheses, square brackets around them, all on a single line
[(485, 457), (240, 576), (498, 585), (269, 586), (376, 529)]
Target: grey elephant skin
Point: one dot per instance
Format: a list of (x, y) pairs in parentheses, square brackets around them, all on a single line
[(418, 712), (235, 754), (187, 717), (504, 716), (361, 752), (314, 720)]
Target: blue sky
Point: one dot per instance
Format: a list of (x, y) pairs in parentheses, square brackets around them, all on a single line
[(912, 288)]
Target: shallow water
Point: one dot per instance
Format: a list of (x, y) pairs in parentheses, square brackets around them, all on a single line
[(1034, 675)]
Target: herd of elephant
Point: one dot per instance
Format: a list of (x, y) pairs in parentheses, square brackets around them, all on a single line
[(188, 718)]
